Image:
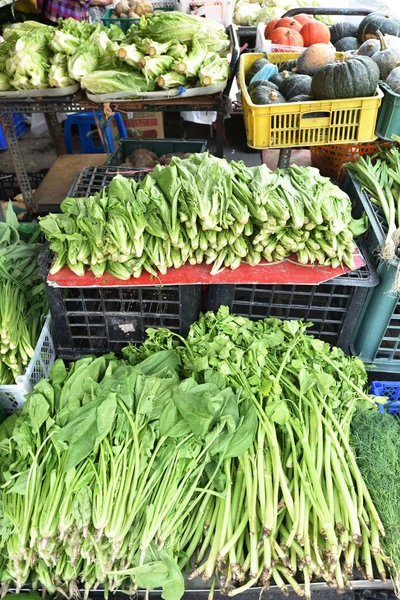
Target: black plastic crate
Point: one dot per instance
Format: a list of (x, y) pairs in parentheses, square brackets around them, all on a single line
[(103, 319), (92, 179), (95, 320), (333, 307), (9, 186)]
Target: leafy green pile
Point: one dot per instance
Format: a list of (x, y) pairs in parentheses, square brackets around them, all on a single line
[(226, 454), (23, 300), (36, 56), (104, 60), (379, 176), (106, 467), (376, 442), (202, 209)]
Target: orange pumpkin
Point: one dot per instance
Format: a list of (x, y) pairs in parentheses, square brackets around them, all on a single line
[(289, 23), (270, 27), (286, 37), (315, 32), (302, 18)]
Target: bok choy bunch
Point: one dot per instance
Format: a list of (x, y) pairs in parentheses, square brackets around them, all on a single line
[(202, 209)]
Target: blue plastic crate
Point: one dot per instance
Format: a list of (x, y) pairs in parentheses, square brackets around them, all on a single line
[(390, 389), (20, 129)]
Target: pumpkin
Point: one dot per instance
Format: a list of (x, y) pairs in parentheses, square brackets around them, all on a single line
[(264, 95), (288, 65), (298, 84), (352, 77), (369, 47), (374, 22), (315, 32), (265, 72), (255, 67), (386, 58), (262, 82), (301, 98), (286, 37), (393, 80), (289, 23), (302, 18), (281, 77), (342, 30), (347, 44), (313, 58), (270, 27)]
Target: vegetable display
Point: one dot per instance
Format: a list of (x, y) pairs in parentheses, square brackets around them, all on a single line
[(23, 300), (105, 60), (317, 75), (132, 9), (203, 209), (226, 454)]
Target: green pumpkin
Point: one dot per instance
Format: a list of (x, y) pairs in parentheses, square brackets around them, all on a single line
[(255, 67), (375, 22), (264, 95), (301, 98), (393, 81), (369, 47), (347, 44), (279, 78), (352, 77), (262, 82), (298, 84), (386, 58), (342, 30), (289, 65)]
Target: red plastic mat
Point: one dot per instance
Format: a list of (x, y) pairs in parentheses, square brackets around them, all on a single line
[(285, 272)]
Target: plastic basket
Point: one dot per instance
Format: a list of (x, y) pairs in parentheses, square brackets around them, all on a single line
[(376, 339), (20, 129), (125, 24), (388, 123), (12, 397), (330, 159), (160, 147), (390, 389), (294, 124)]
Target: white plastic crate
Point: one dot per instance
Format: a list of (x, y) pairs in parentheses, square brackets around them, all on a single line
[(12, 397)]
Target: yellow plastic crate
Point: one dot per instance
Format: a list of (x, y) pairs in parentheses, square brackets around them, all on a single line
[(295, 124), (278, 58)]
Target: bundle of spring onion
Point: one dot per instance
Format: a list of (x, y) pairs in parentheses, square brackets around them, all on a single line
[(380, 177), (226, 454), (23, 300), (202, 209)]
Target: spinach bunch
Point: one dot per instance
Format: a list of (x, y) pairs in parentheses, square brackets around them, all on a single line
[(104, 468)]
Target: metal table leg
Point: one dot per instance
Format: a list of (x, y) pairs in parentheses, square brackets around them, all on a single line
[(220, 134), (7, 122), (56, 133), (284, 158)]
